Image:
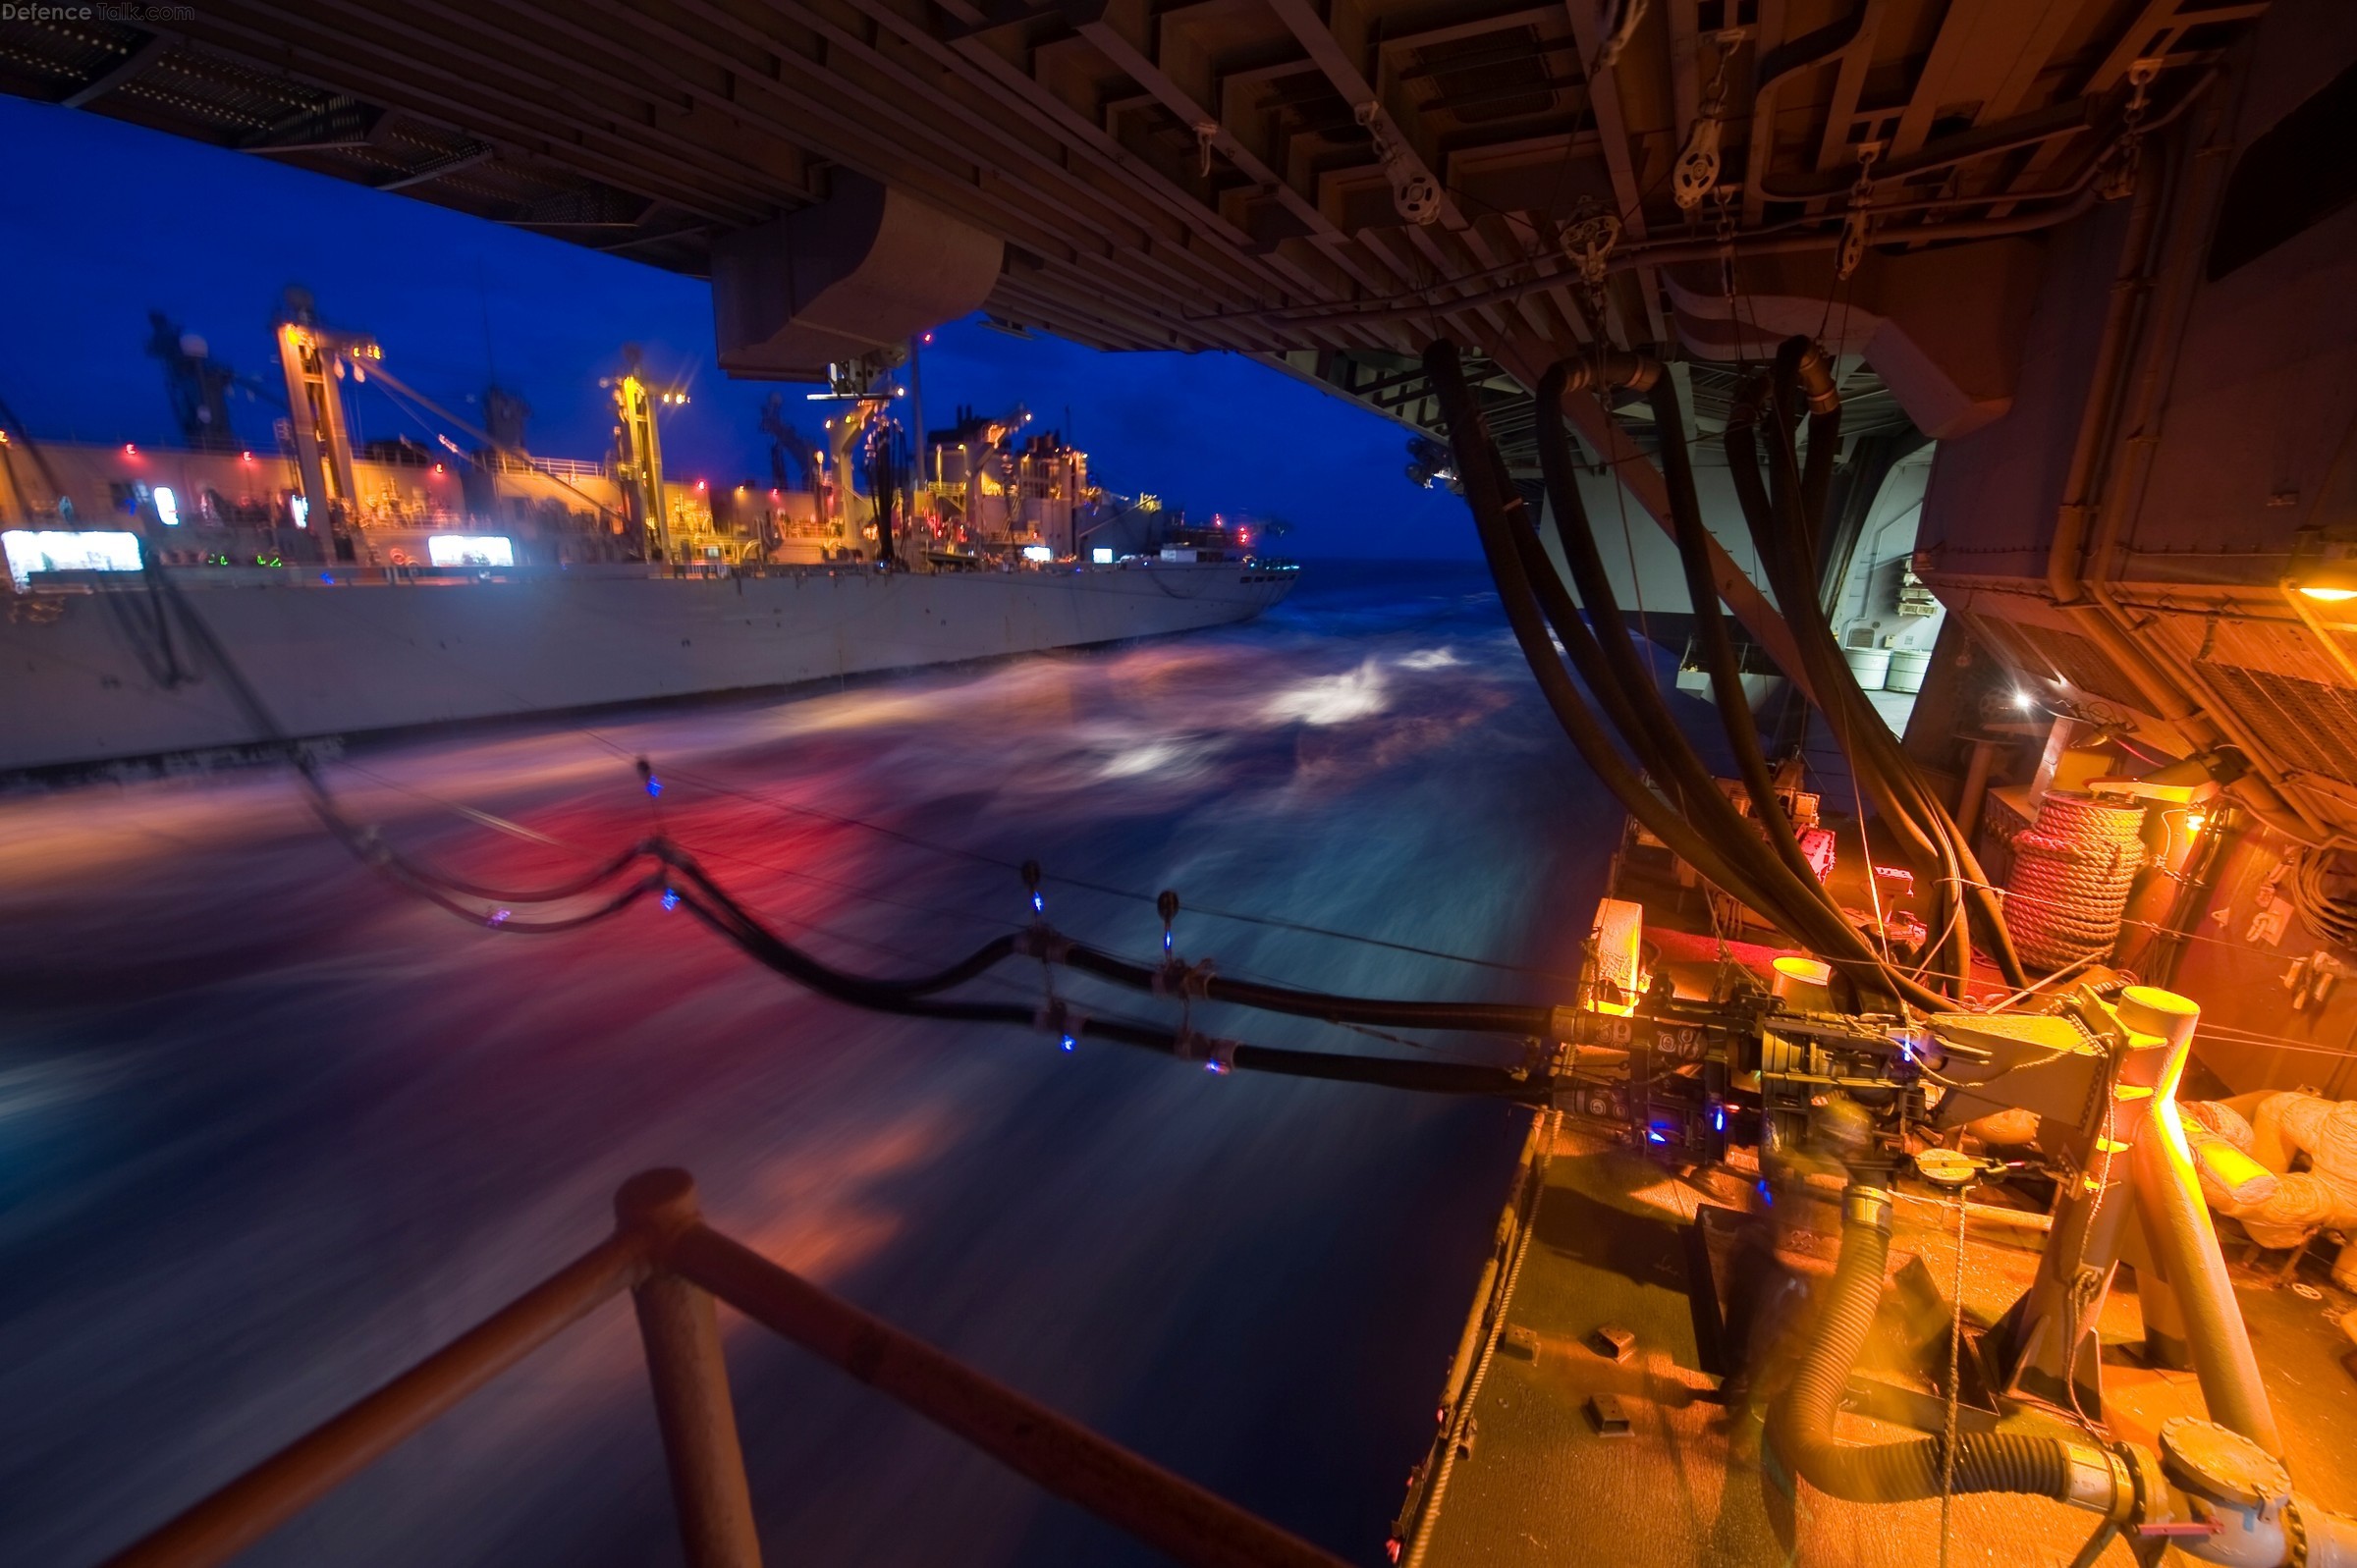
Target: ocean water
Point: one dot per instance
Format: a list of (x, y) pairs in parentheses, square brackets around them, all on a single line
[(270, 1128)]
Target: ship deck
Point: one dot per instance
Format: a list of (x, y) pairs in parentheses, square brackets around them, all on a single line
[(1607, 1234), (1615, 1238)]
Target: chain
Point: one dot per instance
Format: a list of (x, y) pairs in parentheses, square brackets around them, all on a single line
[(1955, 1384)]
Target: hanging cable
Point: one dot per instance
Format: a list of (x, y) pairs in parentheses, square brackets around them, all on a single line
[(1633, 702), (1499, 518), (1927, 835)]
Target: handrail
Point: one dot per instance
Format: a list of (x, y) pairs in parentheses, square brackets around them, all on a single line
[(340, 1447), (676, 1266)]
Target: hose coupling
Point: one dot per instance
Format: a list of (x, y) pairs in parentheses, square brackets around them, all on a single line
[(1862, 1205), (1815, 375), (1609, 367), (1042, 941), (2103, 1481)]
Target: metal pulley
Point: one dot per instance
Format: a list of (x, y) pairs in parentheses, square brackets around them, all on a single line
[(1588, 241), (1623, 17), (1697, 172), (1699, 162), (1861, 203), (1415, 193), (2116, 181)]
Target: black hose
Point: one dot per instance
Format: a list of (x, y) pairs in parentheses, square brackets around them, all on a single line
[(1493, 1017), (1800, 1424), (709, 904), (1717, 648), (1775, 866), (1801, 371), (1626, 688), (1477, 462), (1831, 682)]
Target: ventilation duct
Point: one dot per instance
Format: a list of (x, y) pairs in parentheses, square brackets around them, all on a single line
[(867, 269), (1944, 328)]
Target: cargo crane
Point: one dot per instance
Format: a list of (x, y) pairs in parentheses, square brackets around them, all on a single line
[(638, 453), (315, 360)]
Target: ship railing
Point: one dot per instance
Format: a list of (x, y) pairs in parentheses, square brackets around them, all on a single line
[(676, 1267)]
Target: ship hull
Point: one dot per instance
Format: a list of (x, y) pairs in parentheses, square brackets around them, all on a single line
[(92, 679)]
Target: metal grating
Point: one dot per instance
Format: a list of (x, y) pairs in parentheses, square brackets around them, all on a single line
[(2078, 661), (1490, 76), (2305, 724)]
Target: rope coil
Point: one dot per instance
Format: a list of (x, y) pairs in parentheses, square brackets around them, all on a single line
[(2073, 868)]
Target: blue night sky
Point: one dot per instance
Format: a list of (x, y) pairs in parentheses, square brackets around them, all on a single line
[(105, 221)]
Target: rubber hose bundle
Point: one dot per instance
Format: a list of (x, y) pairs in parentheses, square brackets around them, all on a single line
[(2068, 892), (1800, 1424), (2331, 915)]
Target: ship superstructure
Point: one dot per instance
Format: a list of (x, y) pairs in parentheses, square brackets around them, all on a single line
[(394, 584)]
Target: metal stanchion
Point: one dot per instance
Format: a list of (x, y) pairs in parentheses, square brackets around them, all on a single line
[(690, 1378)]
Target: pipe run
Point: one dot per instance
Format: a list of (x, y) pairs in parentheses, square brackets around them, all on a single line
[(2177, 1226)]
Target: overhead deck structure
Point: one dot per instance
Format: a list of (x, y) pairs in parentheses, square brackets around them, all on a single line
[(1329, 185)]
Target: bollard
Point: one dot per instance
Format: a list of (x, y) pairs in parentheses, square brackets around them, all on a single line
[(690, 1378)]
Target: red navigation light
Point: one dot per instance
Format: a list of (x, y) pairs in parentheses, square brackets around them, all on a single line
[(130, 451), (245, 456), (437, 467), (700, 485)]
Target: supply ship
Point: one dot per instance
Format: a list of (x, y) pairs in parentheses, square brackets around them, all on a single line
[(1949, 1143), (401, 585)]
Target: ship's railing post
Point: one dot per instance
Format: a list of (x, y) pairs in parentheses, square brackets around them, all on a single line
[(690, 1376)]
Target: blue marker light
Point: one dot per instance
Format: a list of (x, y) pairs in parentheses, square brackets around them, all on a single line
[(1166, 942), (1719, 1118), (1069, 1042), (671, 897), (1216, 1067), (1657, 1135), (1039, 903), (499, 917), (654, 786)]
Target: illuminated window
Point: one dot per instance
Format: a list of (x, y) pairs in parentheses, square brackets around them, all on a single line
[(1101, 555), (469, 550), (31, 550), (167, 506), (1038, 553)]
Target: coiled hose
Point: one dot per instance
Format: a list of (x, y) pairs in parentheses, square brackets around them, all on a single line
[(1800, 1424)]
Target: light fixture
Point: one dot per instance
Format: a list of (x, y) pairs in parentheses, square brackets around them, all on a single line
[(2324, 567), (2024, 701)]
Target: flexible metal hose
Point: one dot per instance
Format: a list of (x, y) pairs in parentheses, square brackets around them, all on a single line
[(1800, 1424)]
